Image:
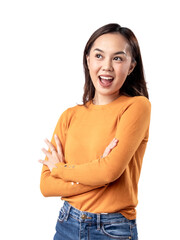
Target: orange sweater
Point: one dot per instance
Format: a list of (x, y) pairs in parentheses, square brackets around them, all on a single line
[(108, 184)]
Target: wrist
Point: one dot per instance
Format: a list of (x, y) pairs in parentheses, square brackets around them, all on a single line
[(52, 167), (57, 170)]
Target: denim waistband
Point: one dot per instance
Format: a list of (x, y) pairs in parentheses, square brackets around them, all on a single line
[(96, 218)]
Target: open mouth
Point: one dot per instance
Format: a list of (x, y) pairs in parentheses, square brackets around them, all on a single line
[(105, 81)]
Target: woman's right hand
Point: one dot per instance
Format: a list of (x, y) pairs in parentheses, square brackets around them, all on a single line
[(109, 148), (55, 155)]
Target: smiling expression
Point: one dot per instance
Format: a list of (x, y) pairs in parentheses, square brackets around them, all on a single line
[(109, 63)]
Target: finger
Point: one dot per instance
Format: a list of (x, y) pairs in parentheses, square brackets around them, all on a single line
[(113, 143), (109, 148), (47, 163), (50, 145), (47, 153), (43, 162), (58, 144)]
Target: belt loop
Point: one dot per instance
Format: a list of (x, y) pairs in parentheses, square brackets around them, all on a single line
[(67, 213), (98, 221)]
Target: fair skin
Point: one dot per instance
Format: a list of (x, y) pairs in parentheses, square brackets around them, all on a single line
[(109, 63)]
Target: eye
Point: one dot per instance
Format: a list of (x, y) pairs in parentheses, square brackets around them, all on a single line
[(118, 59), (99, 56)]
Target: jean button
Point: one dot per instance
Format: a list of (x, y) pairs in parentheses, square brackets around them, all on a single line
[(83, 216)]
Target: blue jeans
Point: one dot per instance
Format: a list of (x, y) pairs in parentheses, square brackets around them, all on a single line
[(73, 224)]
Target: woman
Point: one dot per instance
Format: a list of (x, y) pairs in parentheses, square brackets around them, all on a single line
[(95, 156)]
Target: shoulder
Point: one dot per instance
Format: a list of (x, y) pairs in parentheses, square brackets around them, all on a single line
[(137, 107), (74, 110), (70, 113), (140, 102)]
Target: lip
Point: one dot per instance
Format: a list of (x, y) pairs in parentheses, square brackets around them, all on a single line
[(105, 81), (104, 75)]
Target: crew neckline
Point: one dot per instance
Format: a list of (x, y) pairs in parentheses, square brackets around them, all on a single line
[(91, 105)]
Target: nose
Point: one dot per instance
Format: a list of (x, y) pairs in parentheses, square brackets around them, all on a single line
[(107, 66)]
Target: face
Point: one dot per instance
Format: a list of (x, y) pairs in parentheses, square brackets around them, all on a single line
[(109, 63)]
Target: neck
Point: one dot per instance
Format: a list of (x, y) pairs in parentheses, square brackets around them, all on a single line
[(103, 99)]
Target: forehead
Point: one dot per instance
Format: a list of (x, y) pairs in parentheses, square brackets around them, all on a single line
[(111, 42)]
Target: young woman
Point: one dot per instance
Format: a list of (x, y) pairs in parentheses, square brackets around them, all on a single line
[(95, 156)]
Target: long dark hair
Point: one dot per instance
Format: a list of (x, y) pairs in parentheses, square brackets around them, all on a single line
[(135, 84)]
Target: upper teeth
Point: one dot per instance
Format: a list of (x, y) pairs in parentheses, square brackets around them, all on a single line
[(106, 78)]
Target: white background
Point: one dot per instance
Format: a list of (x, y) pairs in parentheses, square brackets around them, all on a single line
[(41, 74)]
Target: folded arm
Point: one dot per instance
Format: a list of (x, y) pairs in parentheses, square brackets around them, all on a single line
[(52, 186), (131, 131)]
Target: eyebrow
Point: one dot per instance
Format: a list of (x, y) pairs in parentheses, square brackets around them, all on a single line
[(116, 53)]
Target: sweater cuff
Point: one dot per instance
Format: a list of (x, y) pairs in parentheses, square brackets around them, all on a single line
[(58, 171)]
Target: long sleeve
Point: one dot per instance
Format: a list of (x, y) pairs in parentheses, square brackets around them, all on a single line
[(54, 187), (51, 186), (132, 133)]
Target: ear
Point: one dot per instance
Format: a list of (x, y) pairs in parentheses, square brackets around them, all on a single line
[(132, 66)]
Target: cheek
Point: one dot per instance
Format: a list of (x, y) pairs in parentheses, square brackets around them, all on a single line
[(93, 66), (122, 71), (93, 70)]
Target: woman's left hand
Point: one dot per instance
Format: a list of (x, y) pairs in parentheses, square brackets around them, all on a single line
[(55, 156)]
